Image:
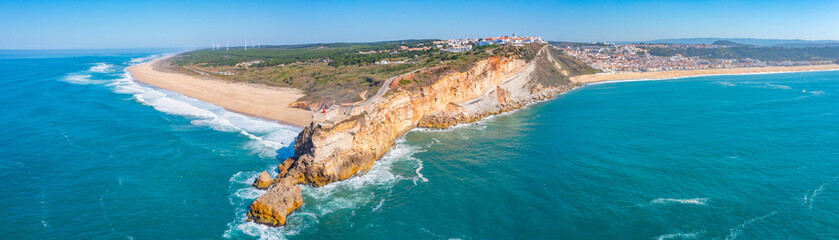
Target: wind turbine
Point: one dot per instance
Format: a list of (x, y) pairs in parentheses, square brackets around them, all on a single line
[(226, 46), (246, 44)]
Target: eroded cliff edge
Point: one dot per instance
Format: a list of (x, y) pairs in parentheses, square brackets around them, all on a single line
[(338, 147)]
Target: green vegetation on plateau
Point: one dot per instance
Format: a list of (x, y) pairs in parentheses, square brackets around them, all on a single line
[(340, 54), (336, 73), (758, 53)]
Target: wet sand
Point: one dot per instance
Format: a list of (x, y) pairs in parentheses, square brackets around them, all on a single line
[(262, 101)]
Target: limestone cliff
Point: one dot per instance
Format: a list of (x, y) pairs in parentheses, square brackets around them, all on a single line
[(329, 151)]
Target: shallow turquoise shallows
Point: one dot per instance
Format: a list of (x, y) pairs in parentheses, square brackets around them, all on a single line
[(88, 153)]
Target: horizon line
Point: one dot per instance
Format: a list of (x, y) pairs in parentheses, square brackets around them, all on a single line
[(313, 43)]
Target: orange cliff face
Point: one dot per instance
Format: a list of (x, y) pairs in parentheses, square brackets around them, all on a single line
[(327, 152)]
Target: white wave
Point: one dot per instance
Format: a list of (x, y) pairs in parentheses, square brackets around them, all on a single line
[(775, 86), (358, 190), (244, 177), (266, 136), (296, 223), (126, 85), (175, 107), (808, 199), (250, 193), (379, 206), (352, 194), (81, 79), (147, 58), (419, 174), (44, 208), (680, 235), (726, 84), (696, 201), (102, 68), (736, 231), (814, 92), (242, 197), (431, 233)]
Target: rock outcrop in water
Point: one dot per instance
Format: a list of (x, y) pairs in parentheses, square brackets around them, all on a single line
[(329, 151), (274, 206), (263, 181)]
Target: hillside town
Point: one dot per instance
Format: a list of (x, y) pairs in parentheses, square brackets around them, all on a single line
[(634, 58), (464, 44), (612, 58)]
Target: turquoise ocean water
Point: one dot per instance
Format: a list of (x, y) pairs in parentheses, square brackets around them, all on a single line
[(88, 153)]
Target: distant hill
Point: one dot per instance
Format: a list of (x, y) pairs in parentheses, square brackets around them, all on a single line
[(759, 53), (730, 43), (790, 43)]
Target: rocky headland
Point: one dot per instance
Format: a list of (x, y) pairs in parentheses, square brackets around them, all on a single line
[(347, 141)]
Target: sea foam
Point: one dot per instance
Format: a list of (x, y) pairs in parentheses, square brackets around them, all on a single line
[(359, 190), (736, 231), (81, 79), (351, 194), (266, 136), (681, 235), (147, 58), (102, 68), (695, 201)]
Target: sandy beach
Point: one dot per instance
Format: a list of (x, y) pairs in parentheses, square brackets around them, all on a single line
[(266, 102), (686, 73)]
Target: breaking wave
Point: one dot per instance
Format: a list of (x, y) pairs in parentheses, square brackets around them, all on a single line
[(148, 58), (102, 68), (810, 197), (82, 79), (351, 194), (695, 201), (680, 235), (736, 231), (266, 136), (814, 92), (775, 86)]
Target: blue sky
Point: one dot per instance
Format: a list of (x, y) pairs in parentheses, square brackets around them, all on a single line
[(153, 24)]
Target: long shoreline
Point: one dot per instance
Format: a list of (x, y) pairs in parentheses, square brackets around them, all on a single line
[(271, 103), (663, 75)]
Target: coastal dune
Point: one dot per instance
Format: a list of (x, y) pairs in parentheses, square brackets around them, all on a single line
[(271, 103), (686, 73)]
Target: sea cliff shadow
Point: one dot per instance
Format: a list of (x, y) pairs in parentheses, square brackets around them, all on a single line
[(286, 152)]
